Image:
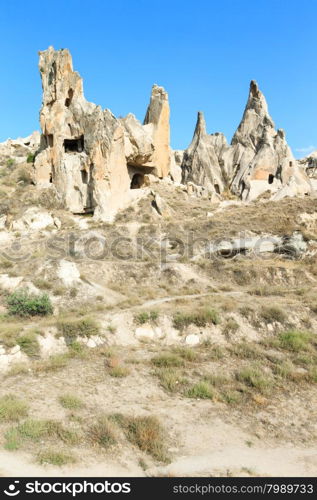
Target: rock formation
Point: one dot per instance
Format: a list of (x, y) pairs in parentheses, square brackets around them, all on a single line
[(258, 159), (96, 162), (200, 162), (309, 163), (260, 155), (93, 159)]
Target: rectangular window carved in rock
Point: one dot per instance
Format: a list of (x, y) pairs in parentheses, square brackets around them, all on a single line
[(74, 145)]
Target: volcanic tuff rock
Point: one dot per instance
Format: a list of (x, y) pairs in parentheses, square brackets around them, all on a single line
[(93, 159), (259, 158), (260, 153), (309, 163), (200, 163), (97, 163)]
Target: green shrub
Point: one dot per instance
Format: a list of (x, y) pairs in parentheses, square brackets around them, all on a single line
[(201, 390), (294, 340), (170, 378), (30, 158), (12, 408), (70, 402), (36, 430), (200, 318), (70, 330), (24, 303), (167, 360), (146, 317)]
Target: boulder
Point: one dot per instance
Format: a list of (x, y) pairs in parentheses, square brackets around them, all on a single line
[(33, 219)]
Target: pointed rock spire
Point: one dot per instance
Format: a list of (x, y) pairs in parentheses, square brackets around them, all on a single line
[(157, 116), (200, 129), (200, 161), (255, 119), (259, 152)]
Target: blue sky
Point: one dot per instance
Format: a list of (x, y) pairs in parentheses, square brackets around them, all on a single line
[(204, 52)]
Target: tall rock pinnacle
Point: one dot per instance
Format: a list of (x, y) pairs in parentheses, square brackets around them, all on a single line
[(157, 116), (200, 161), (260, 153)]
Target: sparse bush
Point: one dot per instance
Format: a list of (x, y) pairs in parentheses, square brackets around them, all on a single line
[(119, 371), (24, 303), (254, 377), (146, 433), (12, 408), (29, 344), (231, 326), (103, 432), (42, 284), (295, 340), (271, 314), (70, 402), (146, 317), (53, 457), (200, 318), (201, 390), (167, 360), (231, 397), (186, 353), (246, 350), (171, 380), (70, 330), (24, 176), (53, 363), (36, 430)]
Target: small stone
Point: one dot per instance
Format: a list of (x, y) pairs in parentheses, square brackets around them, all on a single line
[(192, 339)]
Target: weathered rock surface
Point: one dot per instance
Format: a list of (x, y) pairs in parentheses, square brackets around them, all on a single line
[(258, 159), (261, 157), (200, 163), (92, 158), (19, 149)]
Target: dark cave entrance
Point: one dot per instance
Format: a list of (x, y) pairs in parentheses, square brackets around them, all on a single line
[(270, 179), (137, 181), (74, 145), (69, 98)]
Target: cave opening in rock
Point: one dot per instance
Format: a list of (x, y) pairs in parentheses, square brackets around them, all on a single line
[(69, 98), (74, 145), (217, 189), (84, 176), (137, 181), (270, 179)]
